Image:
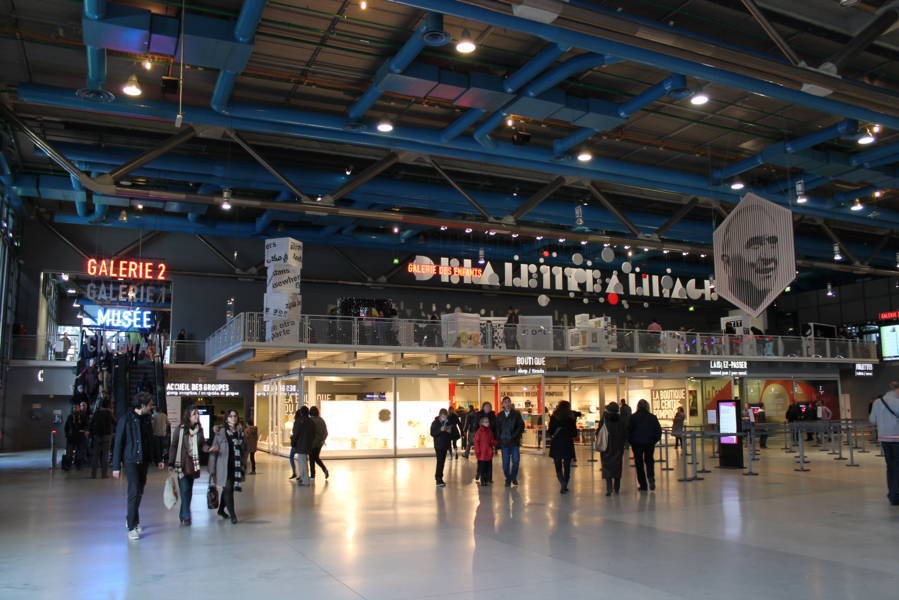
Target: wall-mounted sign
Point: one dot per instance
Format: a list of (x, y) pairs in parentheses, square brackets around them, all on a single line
[(891, 315), (40, 375), (530, 365), (199, 389), (119, 318), (864, 369), (556, 278), (126, 268), (728, 368), (666, 401), (104, 292)]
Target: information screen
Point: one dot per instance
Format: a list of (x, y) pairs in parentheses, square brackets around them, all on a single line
[(728, 420), (889, 342)]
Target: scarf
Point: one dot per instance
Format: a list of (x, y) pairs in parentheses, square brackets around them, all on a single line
[(193, 450), (235, 441)]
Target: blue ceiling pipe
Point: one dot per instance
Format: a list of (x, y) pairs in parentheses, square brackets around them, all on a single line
[(658, 60), (787, 147), (244, 31), (535, 159), (264, 221), (525, 73), (429, 33), (96, 57), (865, 158)]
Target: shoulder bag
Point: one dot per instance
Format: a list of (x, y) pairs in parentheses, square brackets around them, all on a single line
[(887, 406), (170, 491), (212, 497), (602, 439)]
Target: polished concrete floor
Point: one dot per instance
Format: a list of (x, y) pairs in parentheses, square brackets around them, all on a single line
[(379, 529)]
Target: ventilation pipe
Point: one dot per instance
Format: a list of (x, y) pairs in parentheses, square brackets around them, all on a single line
[(96, 58)]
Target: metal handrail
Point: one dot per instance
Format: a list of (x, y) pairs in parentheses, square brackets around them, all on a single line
[(334, 330)]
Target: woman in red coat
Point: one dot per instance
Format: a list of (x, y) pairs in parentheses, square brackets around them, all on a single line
[(484, 444)]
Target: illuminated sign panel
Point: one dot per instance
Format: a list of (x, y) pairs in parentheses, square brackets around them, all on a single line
[(126, 268), (728, 368), (444, 270), (727, 421), (892, 315), (119, 318), (864, 369), (530, 365)]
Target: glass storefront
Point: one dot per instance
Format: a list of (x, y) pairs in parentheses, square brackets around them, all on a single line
[(376, 415)]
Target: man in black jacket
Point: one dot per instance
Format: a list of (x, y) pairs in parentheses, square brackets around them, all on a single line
[(509, 429), (101, 436), (441, 431), (136, 448), (302, 440), (644, 432)]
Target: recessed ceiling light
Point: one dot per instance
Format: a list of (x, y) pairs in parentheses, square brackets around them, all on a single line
[(385, 126), (737, 185), (698, 99), (584, 156), (132, 87)]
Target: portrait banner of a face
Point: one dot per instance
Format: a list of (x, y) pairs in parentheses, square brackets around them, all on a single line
[(754, 254)]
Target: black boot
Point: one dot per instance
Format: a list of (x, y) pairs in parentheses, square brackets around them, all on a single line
[(608, 487), (617, 486)]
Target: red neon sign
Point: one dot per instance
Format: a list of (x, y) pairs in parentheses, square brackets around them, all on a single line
[(888, 316), (126, 268), (423, 269)]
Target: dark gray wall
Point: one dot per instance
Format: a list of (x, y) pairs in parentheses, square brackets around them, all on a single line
[(24, 388), (859, 302), (862, 389)]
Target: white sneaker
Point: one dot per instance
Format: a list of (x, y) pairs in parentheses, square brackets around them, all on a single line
[(139, 529), (134, 534)]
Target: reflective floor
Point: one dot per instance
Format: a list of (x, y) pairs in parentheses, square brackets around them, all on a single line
[(379, 529)]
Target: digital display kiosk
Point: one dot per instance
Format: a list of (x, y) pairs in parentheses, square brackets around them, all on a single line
[(730, 446)]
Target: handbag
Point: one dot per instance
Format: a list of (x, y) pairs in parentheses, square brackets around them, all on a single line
[(602, 439), (212, 497), (170, 491)]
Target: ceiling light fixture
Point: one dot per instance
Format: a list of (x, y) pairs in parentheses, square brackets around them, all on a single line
[(876, 128), (466, 45), (539, 237), (878, 193), (443, 228), (363, 4), (318, 198), (857, 205), (226, 199), (147, 64), (385, 126), (510, 122), (867, 137), (583, 242), (396, 229), (491, 232), (123, 216), (70, 291), (132, 86), (830, 291), (468, 230), (801, 198), (736, 184), (481, 259), (140, 206), (64, 276), (836, 252), (698, 99), (514, 235), (584, 156), (561, 240), (348, 170)]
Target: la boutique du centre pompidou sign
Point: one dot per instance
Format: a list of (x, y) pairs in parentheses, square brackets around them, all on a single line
[(754, 254)]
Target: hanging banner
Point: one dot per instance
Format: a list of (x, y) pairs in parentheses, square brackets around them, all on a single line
[(754, 254)]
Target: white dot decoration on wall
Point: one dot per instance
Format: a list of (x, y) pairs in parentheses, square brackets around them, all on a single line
[(607, 254), (589, 263), (586, 300), (454, 262), (601, 299), (540, 260), (626, 267), (555, 254), (625, 304), (646, 305), (532, 283), (597, 275), (454, 278), (580, 276), (483, 311), (544, 269), (533, 268), (516, 281), (571, 294), (568, 271), (667, 282), (449, 306), (515, 257), (577, 258), (637, 270), (543, 300), (668, 270), (639, 291)]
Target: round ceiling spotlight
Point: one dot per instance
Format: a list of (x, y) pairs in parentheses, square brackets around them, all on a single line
[(584, 156), (466, 45), (857, 205), (698, 99), (132, 86), (736, 184), (385, 126)]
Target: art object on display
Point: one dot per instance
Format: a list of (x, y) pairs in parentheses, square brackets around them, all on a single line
[(535, 333), (283, 302), (755, 257), (461, 330)]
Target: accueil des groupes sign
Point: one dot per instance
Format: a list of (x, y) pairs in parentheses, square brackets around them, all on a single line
[(556, 278)]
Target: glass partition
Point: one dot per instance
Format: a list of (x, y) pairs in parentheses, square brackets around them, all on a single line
[(359, 411), (419, 399)]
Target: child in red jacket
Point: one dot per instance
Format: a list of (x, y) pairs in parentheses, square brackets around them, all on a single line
[(484, 443)]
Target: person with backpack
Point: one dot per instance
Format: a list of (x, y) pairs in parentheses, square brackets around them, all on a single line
[(885, 416), (611, 446), (135, 448), (644, 432), (188, 441), (318, 442)]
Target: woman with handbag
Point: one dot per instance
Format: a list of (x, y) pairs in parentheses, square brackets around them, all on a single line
[(563, 428), (610, 437), (188, 441), (226, 466)]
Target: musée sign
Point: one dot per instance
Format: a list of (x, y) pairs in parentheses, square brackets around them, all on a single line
[(126, 268)]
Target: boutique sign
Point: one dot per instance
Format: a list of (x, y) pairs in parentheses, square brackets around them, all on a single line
[(456, 271)]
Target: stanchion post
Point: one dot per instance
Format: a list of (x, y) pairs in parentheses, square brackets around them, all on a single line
[(801, 452), (593, 448), (839, 441), (683, 464), (876, 441), (788, 439), (52, 449), (702, 452), (861, 446), (667, 466), (851, 462), (696, 477), (751, 452)]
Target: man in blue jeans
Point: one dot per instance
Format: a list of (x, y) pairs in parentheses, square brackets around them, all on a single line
[(885, 415), (509, 429)]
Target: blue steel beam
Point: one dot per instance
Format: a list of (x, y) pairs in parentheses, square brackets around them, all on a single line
[(96, 57), (330, 127)]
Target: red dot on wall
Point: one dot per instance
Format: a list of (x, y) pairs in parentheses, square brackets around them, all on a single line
[(546, 253), (613, 298)]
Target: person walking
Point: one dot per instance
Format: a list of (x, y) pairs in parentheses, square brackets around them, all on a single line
[(135, 448), (226, 466), (456, 433), (293, 446), (486, 411), (508, 430), (101, 429), (188, 441), (302, 439), (761, 419), (677, 426), (467, 416), (644, 432), (885, 416), (72, 430), (613, 455), (484, 448), (318, 441), (161, 430), (563, 429), (251, 434), (441, 431), (624, 411), (792, 416)]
